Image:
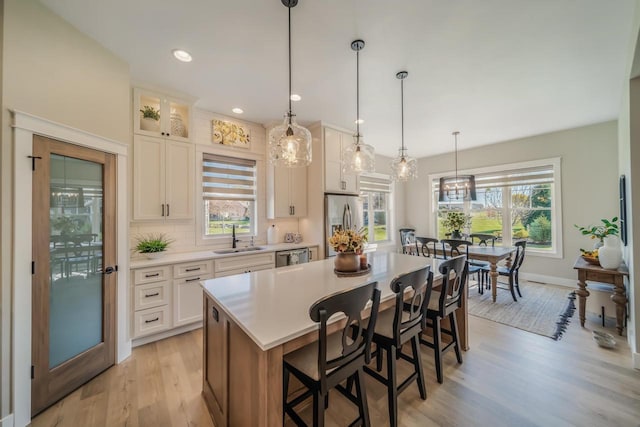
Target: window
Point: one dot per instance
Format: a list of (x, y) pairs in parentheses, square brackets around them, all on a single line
[(375, 194), (228, 195), (513, 203)]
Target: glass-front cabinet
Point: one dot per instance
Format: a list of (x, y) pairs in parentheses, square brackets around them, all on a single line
[(159, 115)]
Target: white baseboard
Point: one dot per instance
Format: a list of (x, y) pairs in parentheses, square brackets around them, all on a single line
[(166, 334), (552, 280), (7, 421)]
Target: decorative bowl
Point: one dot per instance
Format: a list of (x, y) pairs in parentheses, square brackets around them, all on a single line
[(591, 260), (154, 255), (604, 339)]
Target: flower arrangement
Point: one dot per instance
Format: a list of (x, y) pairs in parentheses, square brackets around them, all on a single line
[(456, 221), (348, 240), (150, 113), (152, 243), (600, 231)]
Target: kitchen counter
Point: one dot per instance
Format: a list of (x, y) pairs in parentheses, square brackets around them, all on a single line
[(173, 258), (252, 320)]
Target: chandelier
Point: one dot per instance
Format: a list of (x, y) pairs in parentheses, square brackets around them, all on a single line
[(458, 187)]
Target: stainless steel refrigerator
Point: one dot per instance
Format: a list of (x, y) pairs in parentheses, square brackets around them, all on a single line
[(341, 211)]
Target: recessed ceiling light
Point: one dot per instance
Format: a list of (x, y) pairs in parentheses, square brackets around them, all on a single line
[(237, 110), (182, 55), (295, 97), (359, 121)]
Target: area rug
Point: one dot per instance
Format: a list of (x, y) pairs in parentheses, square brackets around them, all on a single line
[(543, 309)]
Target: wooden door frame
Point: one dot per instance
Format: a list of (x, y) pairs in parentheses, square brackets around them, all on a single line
[(24, 127), (49, 384)]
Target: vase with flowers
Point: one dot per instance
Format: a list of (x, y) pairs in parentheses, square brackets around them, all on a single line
[(348, 243), (454, 222)]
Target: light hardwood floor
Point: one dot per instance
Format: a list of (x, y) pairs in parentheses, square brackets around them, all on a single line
[(508, 378)]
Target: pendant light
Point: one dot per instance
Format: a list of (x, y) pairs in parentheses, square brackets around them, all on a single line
[(358, 157), (290, 143), (458, 187), (403, 167)]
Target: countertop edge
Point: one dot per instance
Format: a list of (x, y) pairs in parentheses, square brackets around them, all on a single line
[(179, 257)]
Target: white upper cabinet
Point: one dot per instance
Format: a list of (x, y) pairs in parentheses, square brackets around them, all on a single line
[(335, 181), (163, 179), (159, 115), (286, 192)]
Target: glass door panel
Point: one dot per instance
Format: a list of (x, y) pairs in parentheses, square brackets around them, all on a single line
[(76, 229)]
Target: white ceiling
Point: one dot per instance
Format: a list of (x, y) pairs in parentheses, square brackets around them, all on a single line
[(493, 69)]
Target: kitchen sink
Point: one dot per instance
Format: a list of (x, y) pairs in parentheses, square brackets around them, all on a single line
[(238, 250)]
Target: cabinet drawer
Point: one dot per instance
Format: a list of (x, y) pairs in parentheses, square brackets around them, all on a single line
[(244, 262), (150, 295), (152, 320), (247, 269), (193, 269), (151, 274)]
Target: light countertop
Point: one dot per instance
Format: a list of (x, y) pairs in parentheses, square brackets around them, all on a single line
[(272, 306), (171, 258)]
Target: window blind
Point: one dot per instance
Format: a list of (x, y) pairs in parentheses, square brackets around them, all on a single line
[(228, 178), (374, 184), (513, 178)]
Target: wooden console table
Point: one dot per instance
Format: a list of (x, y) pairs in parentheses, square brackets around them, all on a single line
[(595, 273)]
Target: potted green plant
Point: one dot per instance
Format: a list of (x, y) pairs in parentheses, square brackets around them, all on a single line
[(152, 246), (607, 228), (150, 119), (454, 222)]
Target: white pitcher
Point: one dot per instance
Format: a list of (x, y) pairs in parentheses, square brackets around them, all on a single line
[(610, 255)]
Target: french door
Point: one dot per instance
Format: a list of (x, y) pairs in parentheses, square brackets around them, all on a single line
[(74, 290)]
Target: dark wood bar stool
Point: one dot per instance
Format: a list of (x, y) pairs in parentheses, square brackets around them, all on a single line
[(398, 326), (442, 304), (324, 364)]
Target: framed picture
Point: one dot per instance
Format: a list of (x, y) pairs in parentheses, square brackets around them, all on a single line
[(231, 134), (623, 209)]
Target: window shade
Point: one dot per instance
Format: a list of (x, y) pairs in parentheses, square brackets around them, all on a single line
[(512, 178), (374, 184), (228, 178)]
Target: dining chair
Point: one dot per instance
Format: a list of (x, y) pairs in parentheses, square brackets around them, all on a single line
[(483, 239), (444, 303), (397, 326), (324, 364), (427, 246), (511, 272), (407, 236), (459, 247)]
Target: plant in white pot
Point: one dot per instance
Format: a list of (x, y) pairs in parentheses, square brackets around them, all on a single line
[(609, 250), (150, 119), (153, 246)]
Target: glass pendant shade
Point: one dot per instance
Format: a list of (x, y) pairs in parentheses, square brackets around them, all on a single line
[(358, 158), (290, 144), (403, 167)]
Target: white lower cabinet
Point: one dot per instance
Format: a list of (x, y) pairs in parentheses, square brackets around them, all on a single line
[(151, 321), (187, 292), (167, 299)]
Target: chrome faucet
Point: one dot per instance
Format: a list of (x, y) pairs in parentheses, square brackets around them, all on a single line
[(233, 236)]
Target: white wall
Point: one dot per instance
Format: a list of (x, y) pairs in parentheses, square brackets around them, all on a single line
[(51, 70), (589, 184)]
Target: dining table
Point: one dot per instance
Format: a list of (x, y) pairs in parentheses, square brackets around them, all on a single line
[(252, 320), (492, 254)]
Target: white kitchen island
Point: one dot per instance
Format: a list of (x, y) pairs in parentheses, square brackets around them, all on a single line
[(253, 319)]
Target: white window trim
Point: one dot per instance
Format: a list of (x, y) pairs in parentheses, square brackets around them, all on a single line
[(225, 240), (391, 200), (556, 194)]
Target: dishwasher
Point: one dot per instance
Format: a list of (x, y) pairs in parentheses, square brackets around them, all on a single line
[(292, 257)]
